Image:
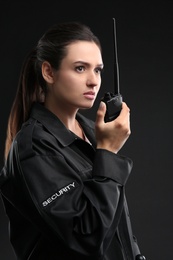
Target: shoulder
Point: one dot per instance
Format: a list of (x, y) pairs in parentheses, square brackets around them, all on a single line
[(34, 138)]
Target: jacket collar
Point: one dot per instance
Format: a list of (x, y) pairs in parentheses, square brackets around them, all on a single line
[(53, 124)]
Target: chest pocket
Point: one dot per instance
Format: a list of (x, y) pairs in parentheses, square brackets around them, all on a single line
[(80, 155)]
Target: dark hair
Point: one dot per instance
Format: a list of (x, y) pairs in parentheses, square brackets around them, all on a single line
[(32, 87)]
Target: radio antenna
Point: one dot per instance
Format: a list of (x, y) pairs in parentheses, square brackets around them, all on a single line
[(116, 67)]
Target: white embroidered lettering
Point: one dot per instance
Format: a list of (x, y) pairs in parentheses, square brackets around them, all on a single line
[(59, 193)]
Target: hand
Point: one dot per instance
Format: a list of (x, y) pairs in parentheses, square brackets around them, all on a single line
[(112, 135)]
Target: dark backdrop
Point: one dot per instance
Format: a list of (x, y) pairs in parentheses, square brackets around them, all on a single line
[(145, 52)]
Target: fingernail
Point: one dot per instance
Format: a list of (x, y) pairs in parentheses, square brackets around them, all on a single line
[(101, 104)]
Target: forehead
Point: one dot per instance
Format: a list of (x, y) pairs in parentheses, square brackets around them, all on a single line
[(83, 50)]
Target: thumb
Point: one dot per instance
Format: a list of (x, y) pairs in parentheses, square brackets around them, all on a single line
[(101, 112)]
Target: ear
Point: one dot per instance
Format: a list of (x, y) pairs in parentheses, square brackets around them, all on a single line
[(47, 72)]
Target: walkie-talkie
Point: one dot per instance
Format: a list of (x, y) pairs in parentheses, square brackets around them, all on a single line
[(113, 101)]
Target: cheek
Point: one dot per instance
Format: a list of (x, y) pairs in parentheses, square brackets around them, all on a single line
[(64, 83), (71, 81), (69, 87)]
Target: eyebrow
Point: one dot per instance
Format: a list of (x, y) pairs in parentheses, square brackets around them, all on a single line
[(88, 64)]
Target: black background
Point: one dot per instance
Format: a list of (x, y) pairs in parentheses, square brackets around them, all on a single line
[(145, 52)]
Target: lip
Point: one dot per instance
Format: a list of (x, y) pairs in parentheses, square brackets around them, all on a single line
[(89, 95)]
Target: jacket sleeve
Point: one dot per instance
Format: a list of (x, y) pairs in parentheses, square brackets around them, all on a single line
[(83, 214)]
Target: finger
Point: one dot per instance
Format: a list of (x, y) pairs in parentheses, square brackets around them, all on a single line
[(101, 113)]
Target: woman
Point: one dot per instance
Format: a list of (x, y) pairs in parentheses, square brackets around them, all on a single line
[(63, 181)]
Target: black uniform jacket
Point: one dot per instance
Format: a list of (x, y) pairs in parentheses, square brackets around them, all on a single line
[(64, 198)]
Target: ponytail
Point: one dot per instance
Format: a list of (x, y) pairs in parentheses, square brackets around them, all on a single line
[(28, 91)]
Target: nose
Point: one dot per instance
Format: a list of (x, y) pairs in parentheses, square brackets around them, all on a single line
[(93, 79)]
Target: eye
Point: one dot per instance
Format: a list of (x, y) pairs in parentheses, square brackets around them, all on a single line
[(80, 68), (99, 70)]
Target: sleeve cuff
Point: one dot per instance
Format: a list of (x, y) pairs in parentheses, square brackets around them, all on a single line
[(113, 166)]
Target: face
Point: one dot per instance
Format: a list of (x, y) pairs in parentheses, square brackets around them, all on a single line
[(77, 81)]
